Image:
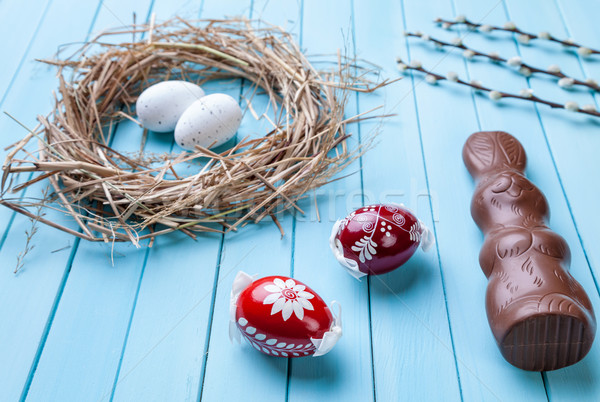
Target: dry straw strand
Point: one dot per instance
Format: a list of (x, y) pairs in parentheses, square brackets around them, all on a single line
[(114, 197)]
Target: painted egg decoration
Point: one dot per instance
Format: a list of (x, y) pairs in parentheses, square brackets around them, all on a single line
[(160, 106), (377, 239), (208, 122), (282, 317)]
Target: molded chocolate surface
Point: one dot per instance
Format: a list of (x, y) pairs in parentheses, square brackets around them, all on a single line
[(540, 315)]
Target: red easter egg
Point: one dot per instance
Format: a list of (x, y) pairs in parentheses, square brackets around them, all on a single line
[(377, 239), (281, 316)]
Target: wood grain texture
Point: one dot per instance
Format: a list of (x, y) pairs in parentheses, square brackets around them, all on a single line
[(83, 347), (571, 142), (30, 299), (346, 372), (411, 334), (447, 116), (236, 371), (29, 20), (154, 325), (173, 349)]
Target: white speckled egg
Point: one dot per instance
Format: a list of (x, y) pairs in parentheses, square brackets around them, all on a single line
[(208, 122), (160, 106)]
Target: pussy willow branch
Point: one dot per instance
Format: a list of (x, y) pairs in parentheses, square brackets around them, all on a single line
[(524, 37), (565, 81), (496, 95)]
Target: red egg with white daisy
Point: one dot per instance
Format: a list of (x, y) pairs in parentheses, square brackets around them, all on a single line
[(281, 316)]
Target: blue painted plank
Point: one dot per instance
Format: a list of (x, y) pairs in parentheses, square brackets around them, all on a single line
[(168, 328), (327, 27), (411, 335), (92, 317), (177, 285), (31, 78), (523, 123), (237, 371), (27, 19), (446, 118), (83, 348), (28, 297), (572, 141), (576, 22)]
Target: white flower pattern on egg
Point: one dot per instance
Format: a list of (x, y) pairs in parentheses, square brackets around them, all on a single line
[(255, 307), (288, 297)]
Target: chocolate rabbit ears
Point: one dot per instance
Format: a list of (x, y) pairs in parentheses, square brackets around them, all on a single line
[(488, 151)]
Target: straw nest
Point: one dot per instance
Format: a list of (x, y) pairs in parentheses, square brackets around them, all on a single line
[(117, 197)]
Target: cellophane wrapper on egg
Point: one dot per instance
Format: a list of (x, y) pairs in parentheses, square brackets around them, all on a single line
[(377, 239), (281, 316)]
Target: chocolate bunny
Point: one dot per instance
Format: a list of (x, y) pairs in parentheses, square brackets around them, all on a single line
[(541, 317)]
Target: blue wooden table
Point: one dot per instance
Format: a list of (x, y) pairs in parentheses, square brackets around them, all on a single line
[(152, 326)]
